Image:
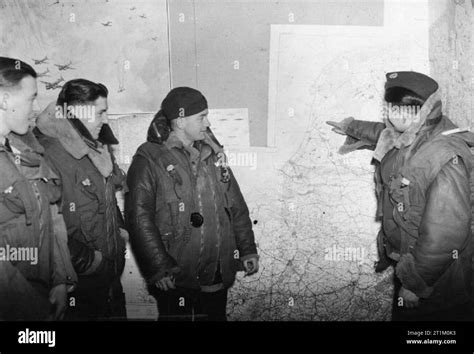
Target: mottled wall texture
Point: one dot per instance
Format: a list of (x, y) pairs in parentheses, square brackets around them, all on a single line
[(299, 63), (451, 56)]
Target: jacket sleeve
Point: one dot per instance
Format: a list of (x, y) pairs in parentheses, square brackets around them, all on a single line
[(444, 230), (366, 131), (17, 295), (63, 270), (145, 239), (360, 134), (241, 223)]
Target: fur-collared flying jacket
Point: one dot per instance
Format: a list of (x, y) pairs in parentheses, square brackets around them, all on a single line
[(167, 183), (424, 194)]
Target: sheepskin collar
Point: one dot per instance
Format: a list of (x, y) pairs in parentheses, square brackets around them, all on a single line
[(62, 130), (391, 138)]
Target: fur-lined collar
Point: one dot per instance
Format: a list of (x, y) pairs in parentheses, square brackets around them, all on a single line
[(62, 130), (390, 138), (203, 148)]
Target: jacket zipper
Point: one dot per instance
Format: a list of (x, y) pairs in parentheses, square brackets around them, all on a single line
[(194, 178), (38, 201)]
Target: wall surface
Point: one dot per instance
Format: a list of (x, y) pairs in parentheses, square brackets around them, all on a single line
[(105, 41), (222, 47), (451, 53), (312, 209)]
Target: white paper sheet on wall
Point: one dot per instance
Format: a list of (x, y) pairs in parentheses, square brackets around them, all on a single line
[(231, 126)]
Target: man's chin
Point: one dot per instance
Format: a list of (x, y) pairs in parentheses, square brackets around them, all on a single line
[(22, 130), (401, 128)]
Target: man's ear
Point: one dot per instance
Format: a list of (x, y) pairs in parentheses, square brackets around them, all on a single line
[(4, 101), (180, 123)]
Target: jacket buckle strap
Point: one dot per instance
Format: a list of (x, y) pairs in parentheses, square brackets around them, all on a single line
[(26, 197)]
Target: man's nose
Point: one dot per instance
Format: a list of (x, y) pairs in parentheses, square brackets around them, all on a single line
[(33, 115), (35, 110), (207, 124), (36, 106)]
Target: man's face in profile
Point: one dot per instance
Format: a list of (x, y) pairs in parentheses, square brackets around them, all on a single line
[(402, 116), (98, 111), (17, 104), (196, 125)]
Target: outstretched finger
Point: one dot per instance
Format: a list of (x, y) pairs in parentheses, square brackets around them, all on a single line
[(332, 123), (338, 131)]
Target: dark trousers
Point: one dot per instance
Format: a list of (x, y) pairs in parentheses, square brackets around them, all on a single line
[(97, 303), (428, 311), (29, 303), (182, 304)]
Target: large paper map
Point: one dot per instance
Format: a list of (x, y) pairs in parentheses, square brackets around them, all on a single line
[(315, 208)]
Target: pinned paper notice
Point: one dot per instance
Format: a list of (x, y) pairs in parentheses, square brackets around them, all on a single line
[(230, 126)]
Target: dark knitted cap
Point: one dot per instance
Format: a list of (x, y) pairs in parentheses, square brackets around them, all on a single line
[(183, 102), (424, 86)]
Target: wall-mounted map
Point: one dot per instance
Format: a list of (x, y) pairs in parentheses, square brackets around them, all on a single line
[(122, 44)]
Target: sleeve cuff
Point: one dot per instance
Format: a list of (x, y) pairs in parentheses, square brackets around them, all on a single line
[(95, 263), (248, 256), (69, 286), (163, 273), (410, 278), (352, 144)]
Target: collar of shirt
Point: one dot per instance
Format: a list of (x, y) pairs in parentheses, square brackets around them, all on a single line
[(6, 144), (174, 141)]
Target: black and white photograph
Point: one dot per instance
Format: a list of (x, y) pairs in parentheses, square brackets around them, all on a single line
[(244, 164)]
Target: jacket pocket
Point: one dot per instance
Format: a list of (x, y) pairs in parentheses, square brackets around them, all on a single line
[(20, 199), (180, 232), (17, 234), (166, 238), (92, 226), (228, 203), (175, 218), (400, 196), (8, 235), (87, 193), (176, 248), (233, 253), (6, 214)]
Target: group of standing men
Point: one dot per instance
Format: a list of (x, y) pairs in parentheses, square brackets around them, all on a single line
[(185, 217), (189, 224)]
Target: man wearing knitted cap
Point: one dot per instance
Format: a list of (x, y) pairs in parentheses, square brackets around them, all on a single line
[(423, 168), (189, 224)]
